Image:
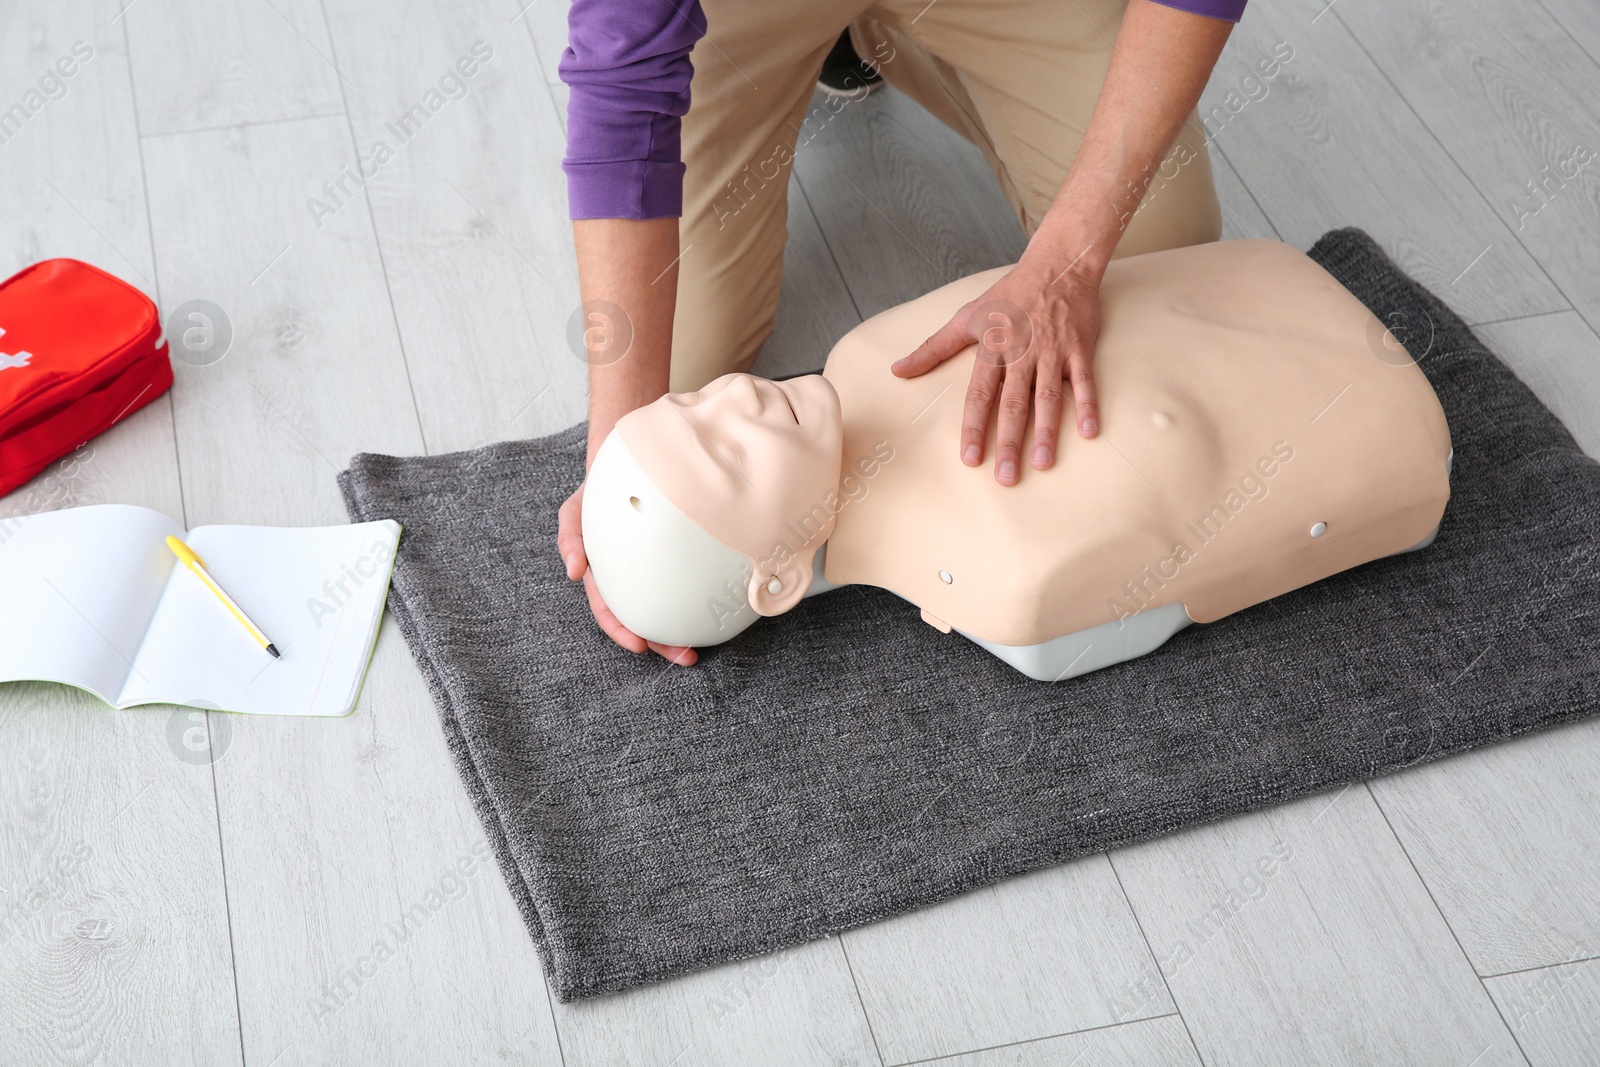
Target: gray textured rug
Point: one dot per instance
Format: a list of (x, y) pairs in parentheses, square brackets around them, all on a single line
[(846, 762)]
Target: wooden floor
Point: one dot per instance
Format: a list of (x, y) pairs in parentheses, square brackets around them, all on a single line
[(177, 887)]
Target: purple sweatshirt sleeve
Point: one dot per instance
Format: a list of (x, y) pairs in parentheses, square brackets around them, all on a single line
[(1227, 10), (627, 66)]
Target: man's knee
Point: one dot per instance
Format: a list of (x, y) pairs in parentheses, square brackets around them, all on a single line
[(719, 326)]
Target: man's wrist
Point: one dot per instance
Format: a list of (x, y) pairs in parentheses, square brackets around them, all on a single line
[(1075, 240), (1078, 257), (618, 389), (604, 416)]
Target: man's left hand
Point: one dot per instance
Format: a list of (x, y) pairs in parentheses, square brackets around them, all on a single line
[(1035, 330)]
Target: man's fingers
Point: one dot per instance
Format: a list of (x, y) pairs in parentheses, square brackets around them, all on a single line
[(569, 536), (679, 655), (951, 338), (1016, 397), (1083, 396), (608, 622), (1048, 400), (982, 392)]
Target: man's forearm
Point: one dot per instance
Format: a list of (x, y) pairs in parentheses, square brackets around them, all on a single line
[(1161, 62), (628, 275)]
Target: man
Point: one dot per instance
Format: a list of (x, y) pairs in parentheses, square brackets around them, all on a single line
[(1081, 107)]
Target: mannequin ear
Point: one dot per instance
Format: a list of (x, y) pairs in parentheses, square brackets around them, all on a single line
[(776, 593)]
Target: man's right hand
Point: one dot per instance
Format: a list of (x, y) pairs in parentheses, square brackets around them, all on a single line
[(569, 541)]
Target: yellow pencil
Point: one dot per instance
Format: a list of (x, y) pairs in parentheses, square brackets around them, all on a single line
[(186, 555)]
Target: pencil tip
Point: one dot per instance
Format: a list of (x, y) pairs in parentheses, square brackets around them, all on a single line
[(274, 650)]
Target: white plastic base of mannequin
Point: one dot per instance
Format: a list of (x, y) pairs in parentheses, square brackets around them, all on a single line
[(1076, 653), (1109, 643), (1087, 650), (1106, 644)]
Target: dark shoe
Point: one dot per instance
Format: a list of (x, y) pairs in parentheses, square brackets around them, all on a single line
[(845, 74)]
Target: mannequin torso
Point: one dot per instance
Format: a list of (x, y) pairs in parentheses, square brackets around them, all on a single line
[(1260, 432)]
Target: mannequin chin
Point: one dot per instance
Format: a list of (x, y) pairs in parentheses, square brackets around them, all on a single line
[(1253, 441)]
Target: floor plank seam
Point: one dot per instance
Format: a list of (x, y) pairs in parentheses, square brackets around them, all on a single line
[(544, 75), (377, 239), (866, 1015), (854, 302), (1521, 318), (228, 126), (1461, 169), (1248, 189), (1574, 38), (155, 272), (1150, 949), (216, 803), (1039, 1040), (1445, 919), (1541, 967), (227, 897), (555, 1024)]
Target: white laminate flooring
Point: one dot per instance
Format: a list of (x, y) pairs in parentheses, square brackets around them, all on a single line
[(184, 887)]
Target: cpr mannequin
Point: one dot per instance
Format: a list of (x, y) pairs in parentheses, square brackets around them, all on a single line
[(1260, 431)]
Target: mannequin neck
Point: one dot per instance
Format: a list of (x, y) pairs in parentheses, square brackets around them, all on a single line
[(819, 581)]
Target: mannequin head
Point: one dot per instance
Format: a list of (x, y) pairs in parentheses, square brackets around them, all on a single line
[(704, 510)]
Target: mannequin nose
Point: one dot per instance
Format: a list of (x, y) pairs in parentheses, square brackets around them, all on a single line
[(750, 388), (752, 394)]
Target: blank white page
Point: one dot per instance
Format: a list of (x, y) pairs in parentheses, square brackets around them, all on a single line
[(78, 588), (316, 592)]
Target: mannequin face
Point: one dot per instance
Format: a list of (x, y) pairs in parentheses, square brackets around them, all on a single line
[(751, 429), (751, 462)]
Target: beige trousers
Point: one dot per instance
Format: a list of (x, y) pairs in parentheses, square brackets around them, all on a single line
[(1018, 78)]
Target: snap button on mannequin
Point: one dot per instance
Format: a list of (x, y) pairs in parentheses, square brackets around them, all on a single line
[(1254, 440)]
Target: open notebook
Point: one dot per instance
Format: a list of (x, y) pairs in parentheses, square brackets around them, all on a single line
[(93, 597)]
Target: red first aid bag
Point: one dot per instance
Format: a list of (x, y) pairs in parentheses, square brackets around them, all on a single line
[(79, 352)]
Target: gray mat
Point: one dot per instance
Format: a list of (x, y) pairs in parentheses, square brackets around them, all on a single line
[(846, 762)]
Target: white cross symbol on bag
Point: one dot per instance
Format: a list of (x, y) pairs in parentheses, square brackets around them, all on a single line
[(7, 361)]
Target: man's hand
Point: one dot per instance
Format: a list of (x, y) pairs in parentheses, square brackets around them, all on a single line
[(569, 540), (1038, 325), (1035, 330)]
